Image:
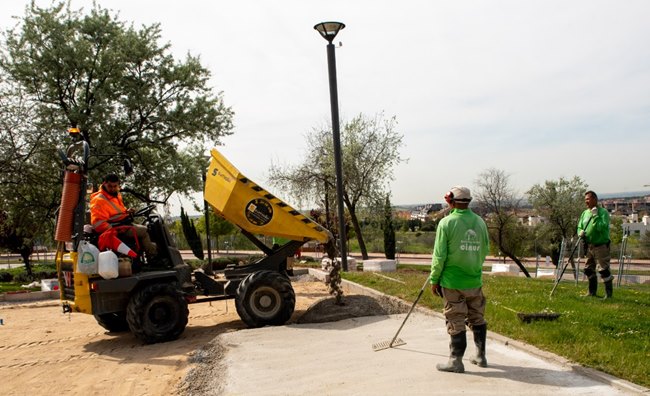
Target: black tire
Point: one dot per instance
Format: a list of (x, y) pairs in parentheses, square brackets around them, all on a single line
[(265, 298), (114, 322), (157, 313)]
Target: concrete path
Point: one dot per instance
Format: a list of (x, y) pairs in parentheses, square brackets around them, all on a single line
[(337, 358)]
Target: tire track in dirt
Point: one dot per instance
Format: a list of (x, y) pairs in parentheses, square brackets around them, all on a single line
[(35, 363), (195, 334), (48, 342), (40, 345), (79, 337)]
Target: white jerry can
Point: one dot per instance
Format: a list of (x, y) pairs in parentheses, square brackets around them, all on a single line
[(108, 265)]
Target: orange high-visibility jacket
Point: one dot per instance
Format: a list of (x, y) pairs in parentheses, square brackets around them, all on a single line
[(106, 209)]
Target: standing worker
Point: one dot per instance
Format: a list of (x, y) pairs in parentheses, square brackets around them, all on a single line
[(456, 275), (593, 227), (277, 243), (107, 210)]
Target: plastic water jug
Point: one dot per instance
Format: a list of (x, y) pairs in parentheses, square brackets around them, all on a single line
[(108, 265)]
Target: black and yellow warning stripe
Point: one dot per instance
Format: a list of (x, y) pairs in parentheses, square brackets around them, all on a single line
[(281, 204)]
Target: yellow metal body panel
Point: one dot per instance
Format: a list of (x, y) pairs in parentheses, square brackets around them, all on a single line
[(249, 206), (82, 302)]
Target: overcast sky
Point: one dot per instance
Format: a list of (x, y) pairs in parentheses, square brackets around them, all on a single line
[(539, 89)]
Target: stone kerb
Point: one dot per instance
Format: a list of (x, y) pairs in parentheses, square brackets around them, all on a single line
[(506, 269), (29, 296), (379, 265), (545, 272)]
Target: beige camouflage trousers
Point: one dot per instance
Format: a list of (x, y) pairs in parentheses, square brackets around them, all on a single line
[(463, 306), (597, 255)]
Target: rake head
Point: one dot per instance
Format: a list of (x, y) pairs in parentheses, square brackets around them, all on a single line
[(387, 344), (529, 317)]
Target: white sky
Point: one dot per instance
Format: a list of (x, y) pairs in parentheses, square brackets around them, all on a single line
[(540, 89)]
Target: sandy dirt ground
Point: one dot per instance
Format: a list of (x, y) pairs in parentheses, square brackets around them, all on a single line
[(46, 352)]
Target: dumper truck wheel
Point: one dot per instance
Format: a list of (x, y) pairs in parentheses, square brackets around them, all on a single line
[(265, 298), (157, 313), (114, 322)]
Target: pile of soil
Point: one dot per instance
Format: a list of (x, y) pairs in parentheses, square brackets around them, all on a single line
[(354, 306)]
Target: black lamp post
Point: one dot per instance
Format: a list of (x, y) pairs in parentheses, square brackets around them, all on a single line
[(329, 30), (206, 213)]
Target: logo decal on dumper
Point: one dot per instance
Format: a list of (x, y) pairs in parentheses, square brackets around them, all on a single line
[(259, 212)]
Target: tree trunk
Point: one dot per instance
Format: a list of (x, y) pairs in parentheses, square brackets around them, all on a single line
[(357, 230), (330, 249), (555, 256), (24, 253), (517, 261), (555, 250), (209, 269)]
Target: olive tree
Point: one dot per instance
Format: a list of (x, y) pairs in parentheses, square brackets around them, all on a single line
[(560, 202), (29, 194), (369, 150), (120, 86), (498, 200)]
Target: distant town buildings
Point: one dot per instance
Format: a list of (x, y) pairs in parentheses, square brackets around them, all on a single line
[(635, 212), (635, 227), (627, 206), (422, 212)]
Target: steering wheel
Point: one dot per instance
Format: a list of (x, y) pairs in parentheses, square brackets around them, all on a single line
[(144, 211)]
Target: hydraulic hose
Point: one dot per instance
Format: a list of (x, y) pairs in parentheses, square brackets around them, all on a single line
[(69, 200)]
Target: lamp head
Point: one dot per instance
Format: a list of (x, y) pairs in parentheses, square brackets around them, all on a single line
[(329, 30)]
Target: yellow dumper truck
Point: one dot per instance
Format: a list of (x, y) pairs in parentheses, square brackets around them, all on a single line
[(151, 299)]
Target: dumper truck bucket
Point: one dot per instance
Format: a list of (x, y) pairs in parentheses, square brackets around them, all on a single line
[(252, 208)]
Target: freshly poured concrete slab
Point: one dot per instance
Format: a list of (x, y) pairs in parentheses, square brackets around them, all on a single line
[(337, 358)]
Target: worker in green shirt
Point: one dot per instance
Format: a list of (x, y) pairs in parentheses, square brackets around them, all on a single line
[(593, 228), (456, 275), (277, 243)]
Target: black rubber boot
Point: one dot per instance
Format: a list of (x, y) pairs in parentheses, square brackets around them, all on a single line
[(480, 336), (593, 286), (608, 278), (609, 289), (593, 283), (457, 347)]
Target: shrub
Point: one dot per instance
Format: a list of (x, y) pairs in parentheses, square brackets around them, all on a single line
[(6, 276), (23, 278), (46, 274)]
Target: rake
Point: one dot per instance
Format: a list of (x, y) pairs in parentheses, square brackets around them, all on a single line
[(575, 247), (395, 342), (530, 317)]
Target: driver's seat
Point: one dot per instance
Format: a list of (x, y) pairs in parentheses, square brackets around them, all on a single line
[(90, 235)]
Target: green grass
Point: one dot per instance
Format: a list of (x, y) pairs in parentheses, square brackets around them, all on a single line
[(609, 335), (15, 286), (40, 267)]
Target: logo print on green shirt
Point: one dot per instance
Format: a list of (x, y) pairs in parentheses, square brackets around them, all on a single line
[(470, 242)]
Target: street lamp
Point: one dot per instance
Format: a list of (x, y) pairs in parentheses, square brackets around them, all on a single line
[(206, 213), (329, 30)]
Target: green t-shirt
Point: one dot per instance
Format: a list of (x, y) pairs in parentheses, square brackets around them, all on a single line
[(459, 251), (597, 231)]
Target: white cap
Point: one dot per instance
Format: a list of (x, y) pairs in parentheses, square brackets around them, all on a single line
[(460, 193)]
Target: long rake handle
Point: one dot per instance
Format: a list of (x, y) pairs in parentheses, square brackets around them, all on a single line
[(557, 282), (426, 281)]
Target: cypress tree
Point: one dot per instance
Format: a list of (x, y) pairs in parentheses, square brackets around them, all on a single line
[(389, 230), (191, 236)]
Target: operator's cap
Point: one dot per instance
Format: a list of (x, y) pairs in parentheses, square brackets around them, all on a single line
[(460, 194), (73, 130)]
